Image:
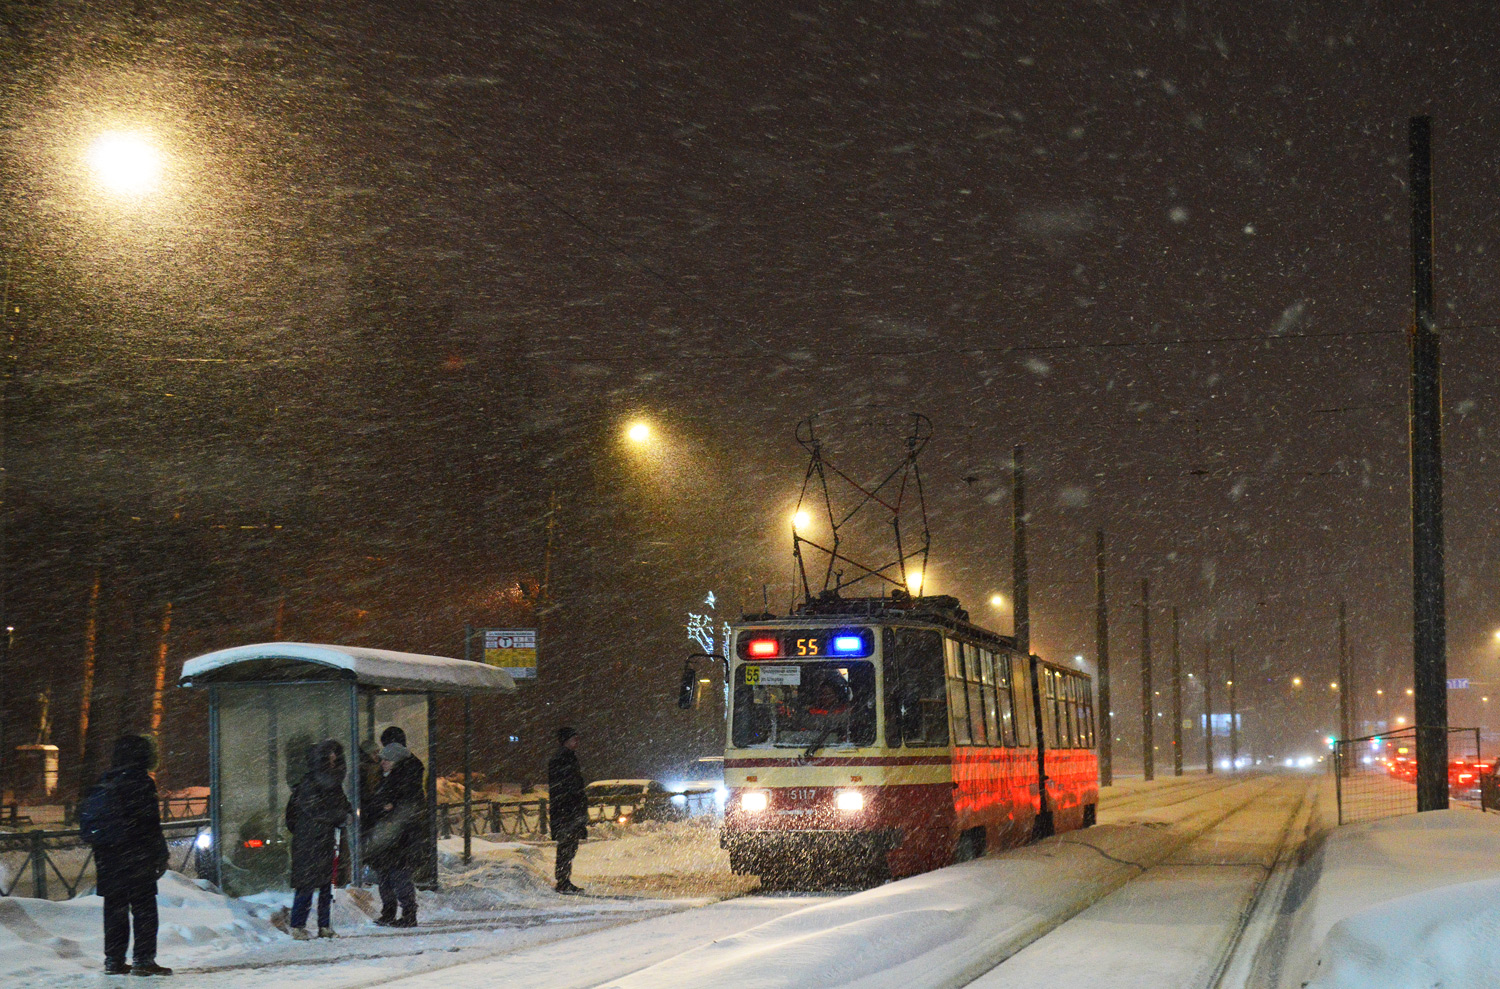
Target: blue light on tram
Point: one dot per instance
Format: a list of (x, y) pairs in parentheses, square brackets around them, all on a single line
[(848, 645)]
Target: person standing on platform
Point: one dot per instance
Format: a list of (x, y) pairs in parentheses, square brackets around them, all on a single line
[(397, 828), (317, 808), (121, 818), (568, 806)]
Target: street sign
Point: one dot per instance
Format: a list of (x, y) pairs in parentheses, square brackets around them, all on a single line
[(1459, 683), (513, 650)]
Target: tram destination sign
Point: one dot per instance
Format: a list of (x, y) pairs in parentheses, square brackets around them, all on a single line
[(513, 650), (807, 643)]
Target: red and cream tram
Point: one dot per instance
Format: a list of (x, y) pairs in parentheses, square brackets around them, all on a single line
[(873, 738)]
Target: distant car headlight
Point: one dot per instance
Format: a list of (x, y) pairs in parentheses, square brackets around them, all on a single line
[(205, 841), (754, 801), (679, 800), (849, 800)]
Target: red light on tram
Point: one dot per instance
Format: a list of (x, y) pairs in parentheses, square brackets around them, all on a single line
[(764, 648), (255, 843)]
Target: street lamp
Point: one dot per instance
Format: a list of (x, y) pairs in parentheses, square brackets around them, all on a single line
[(800, 521), (638, 432), (125, 163)]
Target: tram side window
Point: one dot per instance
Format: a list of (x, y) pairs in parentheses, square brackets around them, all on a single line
[(1049, 708), (992, 723), (977, 729), (1005, 700), (1085, 712), (1067, 717), (1020, 689), (916, 707), (958, 694)]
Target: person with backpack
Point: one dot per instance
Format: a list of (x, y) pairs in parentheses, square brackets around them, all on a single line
[(120, 816), (316, 809)]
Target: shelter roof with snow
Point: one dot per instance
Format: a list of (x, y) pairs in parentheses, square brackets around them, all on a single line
[(305, 661)]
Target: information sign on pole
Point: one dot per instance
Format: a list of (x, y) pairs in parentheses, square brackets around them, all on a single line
[(1459, 683), (513, 650)]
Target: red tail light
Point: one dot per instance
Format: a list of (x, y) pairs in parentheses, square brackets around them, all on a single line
[(764, 648), (254, 843)]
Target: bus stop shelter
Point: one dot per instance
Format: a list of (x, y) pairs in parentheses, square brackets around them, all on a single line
[(269, 702)]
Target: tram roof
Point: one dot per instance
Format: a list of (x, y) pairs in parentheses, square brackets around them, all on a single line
[(286, 662)]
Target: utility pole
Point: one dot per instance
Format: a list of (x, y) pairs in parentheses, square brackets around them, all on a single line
[(1101, 632), (1346, 685), (1176, 698), (1234, 718), (1020, 590), (1430, 660), (1208, 709), (1148, 741)]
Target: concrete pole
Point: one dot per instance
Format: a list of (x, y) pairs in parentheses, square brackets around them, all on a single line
[(1176, 697), (1101, 631), (1429, 638), (1234, 718), (1208, 710), (1148, 705)]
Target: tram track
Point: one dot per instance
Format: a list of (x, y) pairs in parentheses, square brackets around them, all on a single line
[(1182, 790), (1187, 921)]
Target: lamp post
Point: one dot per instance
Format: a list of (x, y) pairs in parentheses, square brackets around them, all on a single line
[(124, 165)]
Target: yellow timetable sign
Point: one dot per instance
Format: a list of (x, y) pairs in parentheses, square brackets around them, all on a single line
[(513, 650)]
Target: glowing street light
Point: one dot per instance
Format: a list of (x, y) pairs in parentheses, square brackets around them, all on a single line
[(914, 582), (638, 432), (125, 163), (997, 600), (1296, 681), (801, 520)]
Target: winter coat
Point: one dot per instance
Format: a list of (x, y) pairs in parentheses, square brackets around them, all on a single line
[(567, 803), (138, 856), (314, 812), (394, 838)]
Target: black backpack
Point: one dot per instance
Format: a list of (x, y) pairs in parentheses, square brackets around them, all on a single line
[(99, 820)]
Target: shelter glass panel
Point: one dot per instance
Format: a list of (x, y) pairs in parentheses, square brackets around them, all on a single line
[(264, 734)]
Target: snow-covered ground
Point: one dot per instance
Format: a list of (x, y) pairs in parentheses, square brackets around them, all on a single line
[(1157, 890)]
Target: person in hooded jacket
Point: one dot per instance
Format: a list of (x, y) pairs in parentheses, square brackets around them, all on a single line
[(396, 825), (567, 807), (132, 860), (317, 808)]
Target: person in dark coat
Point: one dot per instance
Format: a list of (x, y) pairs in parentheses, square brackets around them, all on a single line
[(395, 827), (567, 807), (133, 859), (317, 808)]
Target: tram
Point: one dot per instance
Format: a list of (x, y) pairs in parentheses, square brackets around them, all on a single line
[(874, 738)]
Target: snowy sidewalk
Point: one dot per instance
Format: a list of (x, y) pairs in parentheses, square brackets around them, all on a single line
[(1405, 903)]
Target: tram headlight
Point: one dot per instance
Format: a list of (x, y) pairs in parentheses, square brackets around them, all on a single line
[(754, 801), (849, 800)]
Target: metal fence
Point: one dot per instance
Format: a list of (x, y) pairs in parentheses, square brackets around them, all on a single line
[(524, 819), (57, 865), (528, 819), (1376, 776)]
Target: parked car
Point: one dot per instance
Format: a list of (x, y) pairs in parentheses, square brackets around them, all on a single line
[(702, 783), (627, 801)]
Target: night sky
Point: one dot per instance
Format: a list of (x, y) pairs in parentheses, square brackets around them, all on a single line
[(412, 268)]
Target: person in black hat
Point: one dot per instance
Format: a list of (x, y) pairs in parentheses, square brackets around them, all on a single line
[(568, 806), (130, 854)]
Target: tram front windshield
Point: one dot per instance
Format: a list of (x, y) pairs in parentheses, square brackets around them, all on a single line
[(804, 705)]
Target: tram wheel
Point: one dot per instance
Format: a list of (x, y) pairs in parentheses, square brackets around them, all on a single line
[(970, 845)]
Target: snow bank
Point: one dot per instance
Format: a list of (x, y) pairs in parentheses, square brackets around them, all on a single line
[(47, 937), (1407, 901)]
